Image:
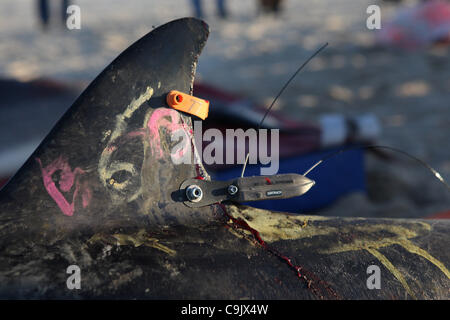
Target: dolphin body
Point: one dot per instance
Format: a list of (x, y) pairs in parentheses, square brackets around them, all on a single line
[(101, 193)]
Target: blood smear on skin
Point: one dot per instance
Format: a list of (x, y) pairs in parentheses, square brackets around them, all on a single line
[(313, 282), (440, 215)]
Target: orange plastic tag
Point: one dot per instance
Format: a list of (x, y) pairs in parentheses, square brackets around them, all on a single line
[(187, 103)]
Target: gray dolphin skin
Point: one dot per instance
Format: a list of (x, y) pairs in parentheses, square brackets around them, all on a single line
[(100, 196)]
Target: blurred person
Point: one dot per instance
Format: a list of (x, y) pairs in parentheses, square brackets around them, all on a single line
[(198, 8), (270, 6), (44, 11)]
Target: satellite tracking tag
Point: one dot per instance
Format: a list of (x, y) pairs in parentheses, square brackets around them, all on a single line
[(184, 102), (199, 193)]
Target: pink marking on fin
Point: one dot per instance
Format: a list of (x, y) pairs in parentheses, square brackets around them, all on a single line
[(66, 182), (158, 120), (86, 197)]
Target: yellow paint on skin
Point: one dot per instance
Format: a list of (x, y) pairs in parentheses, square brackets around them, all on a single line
[(400, 237), (128, 113), (106, 134), (140, 238), (106, 167), (275, 226), (399, 233), (408, 245), (396, 273)]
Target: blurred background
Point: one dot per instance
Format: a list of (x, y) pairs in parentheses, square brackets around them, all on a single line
[(398, 75)]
